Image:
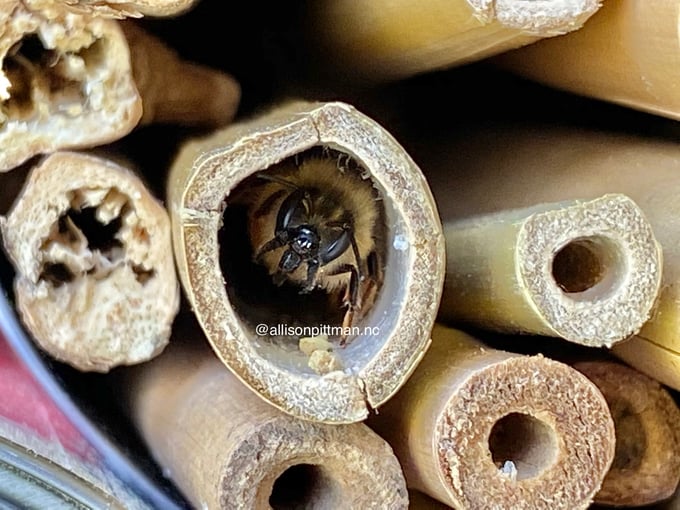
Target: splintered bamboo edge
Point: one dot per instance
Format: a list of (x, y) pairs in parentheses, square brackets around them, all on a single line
[(646, 467), (205, 173), (91, 305), (95, 100)]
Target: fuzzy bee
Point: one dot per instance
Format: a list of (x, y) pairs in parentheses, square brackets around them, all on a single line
[(314, 225)]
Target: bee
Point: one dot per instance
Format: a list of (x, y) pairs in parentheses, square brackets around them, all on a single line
[(314, 225)]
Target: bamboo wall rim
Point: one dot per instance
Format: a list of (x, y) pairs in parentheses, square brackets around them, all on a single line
[(196, 211)]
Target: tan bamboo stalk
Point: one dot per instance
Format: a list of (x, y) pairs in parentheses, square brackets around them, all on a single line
[(385, 40), (536, 164), (341, 385), (177, 91), (628, 53), (476, 427), (95, 280), (226, 448), (646, 466), (65, 82), (115, 8), (586, 271)]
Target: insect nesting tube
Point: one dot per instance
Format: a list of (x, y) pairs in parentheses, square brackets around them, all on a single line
[(311, 251)]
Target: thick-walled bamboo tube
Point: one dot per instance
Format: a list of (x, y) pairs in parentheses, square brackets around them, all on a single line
[(95, 283), (66, 82), (480, 428), (226, 448), (530, 165), (628, 53), (386, 40), (115, 8), (646, 466), (174, 90), (586, 271), (336, 383)]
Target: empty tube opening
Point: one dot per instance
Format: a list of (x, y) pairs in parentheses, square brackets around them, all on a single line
[(631, 440), (38, 75), (588, 265), (306, 486), (309, 210), (522, 446)]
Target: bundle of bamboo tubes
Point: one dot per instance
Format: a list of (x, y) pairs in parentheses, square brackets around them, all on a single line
[(326, 303)]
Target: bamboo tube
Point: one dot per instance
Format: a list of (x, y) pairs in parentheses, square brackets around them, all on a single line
[(174, 90), (95, 282), (115, 8), (646, 466), (480, 428), (549, 164), (326, 382), (586, 271), (387, 40), (66, 82), (628, 53), (226, 448)]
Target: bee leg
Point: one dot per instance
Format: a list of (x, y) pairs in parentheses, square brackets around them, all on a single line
[(271, 245), (310, 283), (351, 299)]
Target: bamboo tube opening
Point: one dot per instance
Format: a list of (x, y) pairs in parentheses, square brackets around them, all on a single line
[(390, 209), (522, 446), (306, 486), (589, 265), (38, 75), (277, 313), (86, 240)]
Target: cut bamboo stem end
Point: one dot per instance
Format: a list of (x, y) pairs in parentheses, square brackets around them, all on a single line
[(95, 279), (480, 428), (637, 70), (66, 82), (646, 466), (226, 448), (586, 271), (115, 8), (386, 40), (177, 91), (340, 384), (547, 163)]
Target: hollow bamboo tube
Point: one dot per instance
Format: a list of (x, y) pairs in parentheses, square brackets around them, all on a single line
[(177, 91), (95, 281), (550, 164), (115, 8), (386, 40), (586, 271), (480, 428), (226, 448), (66, 82), (646, 466), (394, 332), (628, 53)]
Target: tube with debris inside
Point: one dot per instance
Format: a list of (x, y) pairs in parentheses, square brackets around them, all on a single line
[(310, 249), (476, 427), (95, 281), (65, 82)]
